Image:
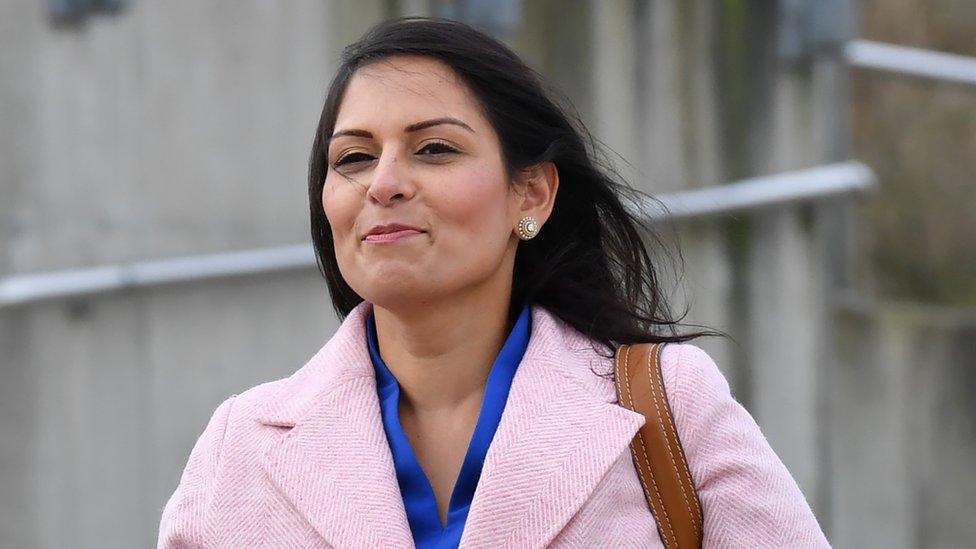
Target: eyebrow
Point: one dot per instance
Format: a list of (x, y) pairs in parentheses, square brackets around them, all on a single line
[(415, 127)]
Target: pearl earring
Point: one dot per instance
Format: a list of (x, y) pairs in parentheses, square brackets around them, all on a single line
[(527, 227)]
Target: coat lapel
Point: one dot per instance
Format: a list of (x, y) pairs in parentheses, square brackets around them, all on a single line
[(335, 465), (559, 435)]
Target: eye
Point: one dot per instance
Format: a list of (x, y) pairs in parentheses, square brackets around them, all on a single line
[(346, 159), (438, 148), (435, 148)]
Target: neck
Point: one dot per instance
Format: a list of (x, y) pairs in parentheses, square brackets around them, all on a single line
[(441, 353)]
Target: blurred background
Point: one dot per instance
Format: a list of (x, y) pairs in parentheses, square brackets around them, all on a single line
[(817, 158)]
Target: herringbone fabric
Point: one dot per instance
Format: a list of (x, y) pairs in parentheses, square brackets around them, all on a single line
[(304, 462)]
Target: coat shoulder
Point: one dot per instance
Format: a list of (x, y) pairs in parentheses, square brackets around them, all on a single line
[(251, 402), (685, 368), (689, 373), (748, 496)]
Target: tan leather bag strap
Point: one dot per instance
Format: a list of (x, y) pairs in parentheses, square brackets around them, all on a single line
[(657, 452)]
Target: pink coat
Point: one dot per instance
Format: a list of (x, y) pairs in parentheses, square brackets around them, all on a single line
[(304, 462)]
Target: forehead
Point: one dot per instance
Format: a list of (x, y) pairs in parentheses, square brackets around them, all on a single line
[(404, 89)]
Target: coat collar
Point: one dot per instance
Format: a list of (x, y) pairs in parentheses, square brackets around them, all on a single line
[(559, 434)]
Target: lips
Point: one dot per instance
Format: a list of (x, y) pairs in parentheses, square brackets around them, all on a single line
[(390, 232), (389, 237)]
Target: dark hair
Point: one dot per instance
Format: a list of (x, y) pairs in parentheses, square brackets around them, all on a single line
[(588, 264)]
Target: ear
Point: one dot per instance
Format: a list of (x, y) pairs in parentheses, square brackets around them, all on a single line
[(536, 188)]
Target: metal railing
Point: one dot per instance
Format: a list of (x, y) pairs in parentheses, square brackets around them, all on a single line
[(820, 183), (20, 289), (911, 61)]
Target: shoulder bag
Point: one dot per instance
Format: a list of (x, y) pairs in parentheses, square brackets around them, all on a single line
[(658, 456)]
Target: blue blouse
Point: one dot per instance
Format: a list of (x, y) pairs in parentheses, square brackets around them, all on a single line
[(418, 496)]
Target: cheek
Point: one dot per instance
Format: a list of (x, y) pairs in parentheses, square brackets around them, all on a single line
[(340, 207), (480, 211)]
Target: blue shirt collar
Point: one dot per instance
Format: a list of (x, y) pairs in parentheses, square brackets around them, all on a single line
[(415, 488)]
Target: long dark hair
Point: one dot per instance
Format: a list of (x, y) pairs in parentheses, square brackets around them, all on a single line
[(588, 265)]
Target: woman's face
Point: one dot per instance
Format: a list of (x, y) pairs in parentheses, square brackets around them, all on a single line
[(410, 146)]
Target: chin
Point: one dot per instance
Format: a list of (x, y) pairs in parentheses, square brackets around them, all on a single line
[(388, 289), (393, 301)]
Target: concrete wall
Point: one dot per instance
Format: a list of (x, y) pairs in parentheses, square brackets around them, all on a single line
[(172, 128), (902, 426), (103, 398)]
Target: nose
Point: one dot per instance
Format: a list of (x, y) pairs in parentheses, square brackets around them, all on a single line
[(391, 180)]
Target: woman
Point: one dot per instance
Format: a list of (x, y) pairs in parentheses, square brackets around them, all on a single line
[(485, 269)]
